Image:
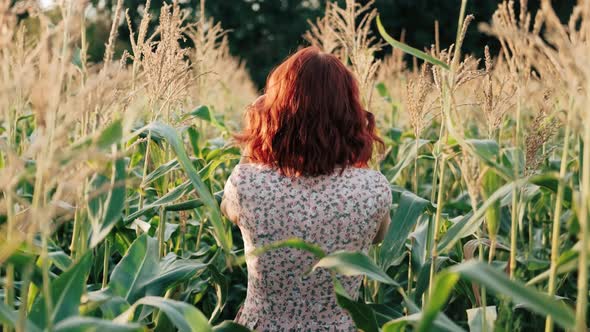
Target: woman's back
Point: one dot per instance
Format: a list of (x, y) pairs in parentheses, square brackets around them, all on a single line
[(336, 212)]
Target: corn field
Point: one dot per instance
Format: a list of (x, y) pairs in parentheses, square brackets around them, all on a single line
[(111, 173)]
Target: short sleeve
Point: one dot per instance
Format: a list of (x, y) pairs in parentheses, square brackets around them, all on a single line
[(230, 198)]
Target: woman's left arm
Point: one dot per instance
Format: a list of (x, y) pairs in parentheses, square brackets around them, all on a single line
[(383, 227), (385, 200)]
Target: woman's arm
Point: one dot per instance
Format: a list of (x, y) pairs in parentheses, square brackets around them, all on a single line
[(383, 227), (228, 212), (230, 202)]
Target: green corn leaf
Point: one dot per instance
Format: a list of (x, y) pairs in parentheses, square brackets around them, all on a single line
[(532, 299), (550, 180), (441, 290), (10, 318), (230, 326), (487, 151), (204, 113), (469, 225), (170, 274), (498, 282), (221, 291), (361, 313), (161, 170), (184, 316), (114, 205), (66, 292), (408, 151), (21, 260), (110, 135), (409, 209), (567, 262), (491, 183), (205, 195), (296, 243), (354, 263), (139, 264), (400, 324), (441, 322), (174, 194), (408, 49), (485, 148), (92, 324)]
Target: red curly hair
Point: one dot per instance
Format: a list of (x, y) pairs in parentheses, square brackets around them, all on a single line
[(310, 119)]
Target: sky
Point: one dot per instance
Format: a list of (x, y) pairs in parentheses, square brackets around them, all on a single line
[(46, 3)]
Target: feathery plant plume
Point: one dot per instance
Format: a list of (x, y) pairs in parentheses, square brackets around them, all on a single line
[(218, 74), (164, 64), (497, 95), (110, 46), (322, 35), (358, 42), (542, 128), (417, 91), (471, 173), (48, 93), (560, 61), (346, 33)]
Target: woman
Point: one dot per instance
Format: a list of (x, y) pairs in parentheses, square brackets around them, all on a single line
[(307, 143)]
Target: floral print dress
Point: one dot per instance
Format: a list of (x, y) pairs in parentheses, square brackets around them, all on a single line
[(336, 212)]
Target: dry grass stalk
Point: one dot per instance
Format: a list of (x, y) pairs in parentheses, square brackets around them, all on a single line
[(497, 99), (218, 75), (110, 46), (542, 128), (162, 66), (322, 35), (471, 173), (417, 91), (346, 32), (44, 90), (358, 42)]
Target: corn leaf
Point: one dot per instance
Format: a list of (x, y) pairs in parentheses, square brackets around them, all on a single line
[(408, 49), (184, 316), (92, 324), (354, 263), (205, 195), (66, 292)]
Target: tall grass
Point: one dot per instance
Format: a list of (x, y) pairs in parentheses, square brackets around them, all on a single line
[(111, 173)]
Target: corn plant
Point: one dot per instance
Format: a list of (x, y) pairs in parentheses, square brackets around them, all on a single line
[(111, 173)]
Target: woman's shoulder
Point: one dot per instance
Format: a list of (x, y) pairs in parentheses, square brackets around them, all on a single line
[(248, 171), (372, 174), (250, 167)]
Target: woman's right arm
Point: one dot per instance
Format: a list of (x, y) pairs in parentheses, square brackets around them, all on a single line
[(230, 202)]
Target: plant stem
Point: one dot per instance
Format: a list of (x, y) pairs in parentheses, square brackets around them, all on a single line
[(45, 275), (484, 296), (145, 167), (105, 262), (161, 232), (557, 219), (582, 298), (23, 308), (75, 234), (515, 195), (513, 232), (439, 203), (9, 295)]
